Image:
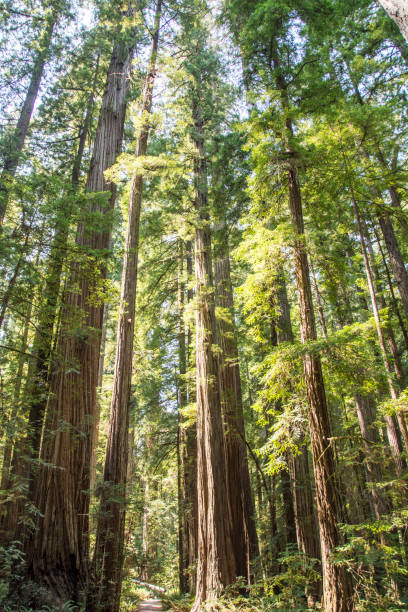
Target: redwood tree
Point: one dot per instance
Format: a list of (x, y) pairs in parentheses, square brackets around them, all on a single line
[(108, 558), (244, 537), (52, 12), (216, 566), (57, 552)]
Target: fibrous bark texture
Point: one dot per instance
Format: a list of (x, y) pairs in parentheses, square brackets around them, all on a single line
[(216, 562), (243, 530), (398, 11), (189, 461), (108, 557), (57, 553), (337, 585), (307, 536)]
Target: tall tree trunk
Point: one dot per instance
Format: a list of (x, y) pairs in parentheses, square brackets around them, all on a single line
[(337, 586), (36, 387), (394, 436), (8, 518), (244, 537), (337, 583), (307, 536), (396, 260), (388, 329), (108, 557), (13, 154), (57, 554), (393, 431), (216, 562), (398, 11), (13, 279), (190, 458), (144, 574), (395, 304), (181, 433), (366, 414), (319, 302), (383, 216)]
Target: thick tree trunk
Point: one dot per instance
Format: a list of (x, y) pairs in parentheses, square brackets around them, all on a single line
[(57, 554), (108, 557), (216, 562), (36, 387), (244, 537), (398, 11), (13, 154)]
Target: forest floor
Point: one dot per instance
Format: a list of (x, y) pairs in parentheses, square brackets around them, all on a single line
[(150, 605)]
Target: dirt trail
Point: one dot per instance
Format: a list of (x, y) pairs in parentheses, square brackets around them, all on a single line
[(150, 605)]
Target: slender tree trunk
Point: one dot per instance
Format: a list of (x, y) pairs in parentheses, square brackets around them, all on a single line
[(398, 11), (8, 520), (12, 282), (396, 260), (190, 458), (337, 583), (388, 330), (290, 524), (181, 433), (95, 432), (57, 554), (396, 308), (13, 154), (181, 544), (383, 217), (108, 557), (319, 302), (366, 418), (216, 562), (144, 574), (244, 537), (393, 432), (307, 536), (394, 436)]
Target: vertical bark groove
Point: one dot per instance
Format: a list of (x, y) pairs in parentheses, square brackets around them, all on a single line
[(109, 546)]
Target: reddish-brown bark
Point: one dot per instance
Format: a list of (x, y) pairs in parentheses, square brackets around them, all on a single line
[(108, 556), (13, 154), (216, 562), (243, 530), (57, 553)]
